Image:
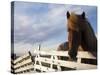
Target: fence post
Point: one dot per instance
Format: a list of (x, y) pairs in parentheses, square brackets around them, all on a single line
[(53, 60), (51, 66), (58, 65), (35, 63)]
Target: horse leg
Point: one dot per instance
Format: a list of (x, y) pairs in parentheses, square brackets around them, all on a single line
[(74, 39)]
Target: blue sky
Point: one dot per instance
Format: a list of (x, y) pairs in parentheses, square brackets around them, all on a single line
[(44, 23)]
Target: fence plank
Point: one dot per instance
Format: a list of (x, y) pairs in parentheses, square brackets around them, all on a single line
[(69, 64), (23, 63), (20, 58), (43, 68), (52, 61), (81, 54), (24, 68)]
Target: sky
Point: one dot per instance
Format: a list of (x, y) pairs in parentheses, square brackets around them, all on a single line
[(45, 24)]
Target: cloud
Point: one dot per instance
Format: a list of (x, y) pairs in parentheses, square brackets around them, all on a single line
[(32, 29), (39, 22)]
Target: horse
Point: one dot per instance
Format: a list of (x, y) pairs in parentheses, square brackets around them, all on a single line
[(81, 36)]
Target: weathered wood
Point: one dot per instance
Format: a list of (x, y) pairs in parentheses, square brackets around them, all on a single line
[(23, 63), (53, 60), (69, 64), (24, 68), (20, 58), (81, 54), (43, 68)]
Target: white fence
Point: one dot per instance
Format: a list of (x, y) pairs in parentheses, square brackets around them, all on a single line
[(55, 61), (22, 64), (25, 63)]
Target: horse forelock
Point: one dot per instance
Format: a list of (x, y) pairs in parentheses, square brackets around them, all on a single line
[(76, 21)]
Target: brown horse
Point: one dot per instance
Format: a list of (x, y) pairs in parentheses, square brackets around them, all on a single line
[(80, 34)]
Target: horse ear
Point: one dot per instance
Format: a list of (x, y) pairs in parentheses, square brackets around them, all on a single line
[(83, 15), (68, 14)]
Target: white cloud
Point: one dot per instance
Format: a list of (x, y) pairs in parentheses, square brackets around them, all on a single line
[(48, 26)]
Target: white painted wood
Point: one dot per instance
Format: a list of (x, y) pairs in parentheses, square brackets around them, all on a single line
[(69, 64), (24, 68), (43, 68), (79, 60), (58, 65), (35, 63), (39, 62), (54, 61), (81, 54), (51, 64), (23, 63), (20, 58)]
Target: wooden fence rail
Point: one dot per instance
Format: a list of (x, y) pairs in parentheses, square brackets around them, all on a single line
[(43, 63), (53, 60), (22, 64)]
